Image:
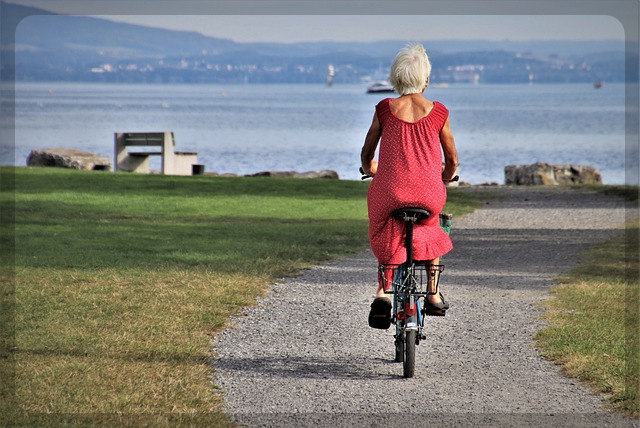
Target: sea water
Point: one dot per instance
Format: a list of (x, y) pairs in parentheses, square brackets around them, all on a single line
[(244, 129)]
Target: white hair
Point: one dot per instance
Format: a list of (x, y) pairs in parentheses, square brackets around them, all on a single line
[(410, 70)]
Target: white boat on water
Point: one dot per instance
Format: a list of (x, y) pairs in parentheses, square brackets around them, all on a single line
[(380, 87)]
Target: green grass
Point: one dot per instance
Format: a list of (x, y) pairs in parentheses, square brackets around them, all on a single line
[(630, 193), (593, 318), (121, 280)]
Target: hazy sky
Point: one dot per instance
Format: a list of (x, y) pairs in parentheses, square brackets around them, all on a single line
[(295, 21)]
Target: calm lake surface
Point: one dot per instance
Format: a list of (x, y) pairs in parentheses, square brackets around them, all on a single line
[(249, 128)]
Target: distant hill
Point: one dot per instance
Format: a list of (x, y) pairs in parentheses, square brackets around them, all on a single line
[(50, 47), (44, 31)]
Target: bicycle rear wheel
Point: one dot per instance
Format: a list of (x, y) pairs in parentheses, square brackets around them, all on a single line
[(409, 362), (399, 349)]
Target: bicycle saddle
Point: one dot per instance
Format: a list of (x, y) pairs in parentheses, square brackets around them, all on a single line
[(415, 215)]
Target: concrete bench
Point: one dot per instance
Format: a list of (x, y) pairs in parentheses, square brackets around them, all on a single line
[(172, 162)]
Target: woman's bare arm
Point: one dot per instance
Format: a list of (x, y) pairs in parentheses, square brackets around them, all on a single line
[(450, 152), (370, 144)]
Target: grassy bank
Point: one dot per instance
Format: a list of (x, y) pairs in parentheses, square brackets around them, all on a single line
[(122, 279), (593, 318)]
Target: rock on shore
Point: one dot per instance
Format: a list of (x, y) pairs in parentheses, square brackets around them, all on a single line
[(550, 175), (325, 173), (69, 158)]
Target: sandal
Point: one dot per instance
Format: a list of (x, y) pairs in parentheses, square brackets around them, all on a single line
[(436, 309), (380, 314)]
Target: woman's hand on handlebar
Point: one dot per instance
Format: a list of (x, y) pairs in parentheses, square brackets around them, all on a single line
[(365, 175), (454, 178), (373, 168)]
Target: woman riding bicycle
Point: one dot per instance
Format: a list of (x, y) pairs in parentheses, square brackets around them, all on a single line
[(414, 134)]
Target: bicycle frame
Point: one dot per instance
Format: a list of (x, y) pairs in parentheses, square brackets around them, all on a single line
[(409, 283)]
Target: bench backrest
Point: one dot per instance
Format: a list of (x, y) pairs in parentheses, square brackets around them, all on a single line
[(145, 139)]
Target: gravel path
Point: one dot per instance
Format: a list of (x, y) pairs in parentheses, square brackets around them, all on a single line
[(304, 356)]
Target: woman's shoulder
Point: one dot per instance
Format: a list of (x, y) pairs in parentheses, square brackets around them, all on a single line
[(439, 106), (384, 103), (440, 111), (383, 107)]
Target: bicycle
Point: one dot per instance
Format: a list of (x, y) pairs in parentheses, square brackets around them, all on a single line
[(408, 283)]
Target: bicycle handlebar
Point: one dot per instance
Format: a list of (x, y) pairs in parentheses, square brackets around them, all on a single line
[(367, 176), (364, 176)]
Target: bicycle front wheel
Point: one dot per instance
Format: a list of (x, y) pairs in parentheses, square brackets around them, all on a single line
[(409, 363)]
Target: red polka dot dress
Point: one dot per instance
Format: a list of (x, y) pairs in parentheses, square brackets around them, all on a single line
[(409, 175)]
